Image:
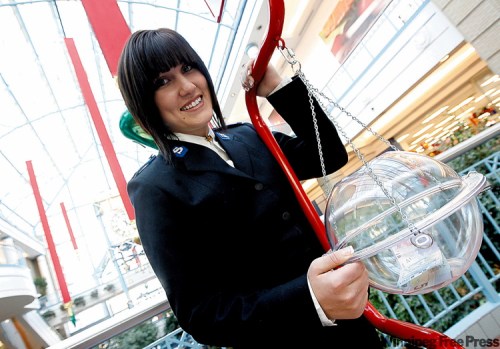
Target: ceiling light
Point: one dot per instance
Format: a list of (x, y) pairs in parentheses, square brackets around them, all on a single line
[(491, 80), (402, 138), (442, 135), (415, 94), (451, 125), (479, 98), (489, 92), (445, 121), (435, 131), (459, 116), (430, 140), (420, 139), (309, 184), (432, 116), (423, 130), (252, 50), (460, 105), (444, 58)]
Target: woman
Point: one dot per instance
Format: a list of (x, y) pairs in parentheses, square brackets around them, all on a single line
[(218, 220)]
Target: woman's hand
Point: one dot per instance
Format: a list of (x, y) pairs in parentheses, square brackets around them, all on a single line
[(269, 82), (343, 292)]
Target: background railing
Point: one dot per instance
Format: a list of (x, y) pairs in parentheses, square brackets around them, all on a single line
[(444, 308)]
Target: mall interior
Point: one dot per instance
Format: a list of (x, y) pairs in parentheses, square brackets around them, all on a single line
[(420, 75)]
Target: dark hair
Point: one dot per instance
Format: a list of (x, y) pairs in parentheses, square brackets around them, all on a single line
[(146, 54)]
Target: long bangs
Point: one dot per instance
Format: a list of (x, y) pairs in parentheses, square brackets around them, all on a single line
[(166, 50)]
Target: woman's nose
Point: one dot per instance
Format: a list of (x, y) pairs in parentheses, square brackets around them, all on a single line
[(186, 86)]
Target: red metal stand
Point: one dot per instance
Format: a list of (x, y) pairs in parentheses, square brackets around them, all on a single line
[(412, 333)]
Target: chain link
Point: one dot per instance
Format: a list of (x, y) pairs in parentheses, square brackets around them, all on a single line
[(314, 93)]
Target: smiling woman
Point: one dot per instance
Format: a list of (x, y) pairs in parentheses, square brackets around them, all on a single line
[(45, 119), (171, 90), (206, 169)]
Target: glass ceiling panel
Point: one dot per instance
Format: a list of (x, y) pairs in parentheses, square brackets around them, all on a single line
[(10, 114), (43, 116)]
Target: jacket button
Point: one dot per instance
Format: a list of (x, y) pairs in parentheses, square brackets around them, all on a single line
[(286, 215), (259, 186)]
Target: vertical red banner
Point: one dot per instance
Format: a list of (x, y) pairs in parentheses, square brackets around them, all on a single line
[(109, 27), (107, 146), (216, 7), (68, 225), (48, 235)]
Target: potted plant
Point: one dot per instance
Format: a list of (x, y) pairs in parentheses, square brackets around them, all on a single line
[(109, 287), (49, 315), (41, 285), (79, 301)]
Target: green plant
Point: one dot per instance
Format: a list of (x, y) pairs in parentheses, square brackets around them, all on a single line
[(48, 315), (171, 323), (474, 155), (79, 301), (41, 285), (136, 338)]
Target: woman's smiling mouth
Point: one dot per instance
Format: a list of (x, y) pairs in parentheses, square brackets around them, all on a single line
[(193, 104)]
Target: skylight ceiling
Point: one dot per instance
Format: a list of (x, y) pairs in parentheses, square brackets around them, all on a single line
[(43, 117)]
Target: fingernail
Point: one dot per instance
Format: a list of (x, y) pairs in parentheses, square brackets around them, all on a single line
[(346, 251)]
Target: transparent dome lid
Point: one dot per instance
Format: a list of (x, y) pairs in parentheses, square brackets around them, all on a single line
[(416, 230)]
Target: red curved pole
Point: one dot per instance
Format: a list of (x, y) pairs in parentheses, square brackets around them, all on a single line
[(265, 53), (403, 330)]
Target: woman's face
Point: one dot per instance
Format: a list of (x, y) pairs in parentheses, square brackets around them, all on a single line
[(183, 99)]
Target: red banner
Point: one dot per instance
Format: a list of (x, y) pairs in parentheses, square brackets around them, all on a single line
[(107, 146), (48, 235), (109, 27), (68, 225)]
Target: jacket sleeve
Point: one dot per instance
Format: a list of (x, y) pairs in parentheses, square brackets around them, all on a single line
[(301, 150)]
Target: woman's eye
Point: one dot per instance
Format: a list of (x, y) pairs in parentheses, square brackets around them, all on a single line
[(186, 68), (160, 82)]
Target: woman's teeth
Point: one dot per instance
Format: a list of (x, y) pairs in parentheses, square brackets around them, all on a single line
[(192, 104)]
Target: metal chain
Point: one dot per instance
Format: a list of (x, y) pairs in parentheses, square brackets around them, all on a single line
[(314, 92), (289, 56), (318, 140)]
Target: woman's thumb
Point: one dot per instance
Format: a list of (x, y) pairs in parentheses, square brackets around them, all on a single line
[(337, 258)]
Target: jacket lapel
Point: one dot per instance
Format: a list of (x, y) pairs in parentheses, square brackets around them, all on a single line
[(238, 151)]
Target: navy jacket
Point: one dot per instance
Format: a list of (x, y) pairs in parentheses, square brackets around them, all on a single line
[(231, 246)]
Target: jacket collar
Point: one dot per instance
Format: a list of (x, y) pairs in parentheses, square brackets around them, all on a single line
[(195, 157)]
